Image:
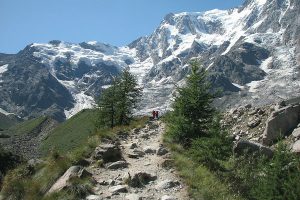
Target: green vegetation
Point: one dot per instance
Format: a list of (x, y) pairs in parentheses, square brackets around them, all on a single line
[(256, 177), (117, 102), (32, 182), (71, 134), (25, 127), (207, 163), (192, 107), (8, 161)]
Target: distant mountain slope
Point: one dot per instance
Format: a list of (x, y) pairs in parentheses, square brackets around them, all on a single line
[(252, 53), (7, 121)]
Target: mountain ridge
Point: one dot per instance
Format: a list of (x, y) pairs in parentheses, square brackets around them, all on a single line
[(250, 51)]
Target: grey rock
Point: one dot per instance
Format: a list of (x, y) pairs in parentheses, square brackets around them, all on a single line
[(63, 181), (161, 151), (296, 147), (118, 189), (133, 146), (107, 152), (244, 146), (133, 197), (140, 179), (167, 197), (296, 133), (166, 184), (248, 106), (149, 149), (93, 197), (281, 123), (117, 165), (138, 152), (253, 122)]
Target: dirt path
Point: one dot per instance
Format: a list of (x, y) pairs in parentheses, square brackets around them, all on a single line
[(143, 172)]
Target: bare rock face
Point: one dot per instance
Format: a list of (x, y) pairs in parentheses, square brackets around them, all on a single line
[(281, 123), (244, 146)]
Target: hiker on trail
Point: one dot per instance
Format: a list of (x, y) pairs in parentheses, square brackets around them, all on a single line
[(153, 114), (156, 114)]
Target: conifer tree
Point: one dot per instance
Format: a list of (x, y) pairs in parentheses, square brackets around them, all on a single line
[(117, 102), (192, 109), (129, 95), (108, 105)]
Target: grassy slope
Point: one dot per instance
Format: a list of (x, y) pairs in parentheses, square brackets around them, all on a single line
[(26, 126), (71, 133), (202, 183)]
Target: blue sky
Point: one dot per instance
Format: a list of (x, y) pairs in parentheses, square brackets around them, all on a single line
[(117, 22)]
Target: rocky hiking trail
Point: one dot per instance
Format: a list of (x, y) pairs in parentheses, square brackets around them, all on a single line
[(136, 166), (142, 170)]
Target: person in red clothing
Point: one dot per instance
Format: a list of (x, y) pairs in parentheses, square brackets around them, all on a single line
[(153, 114), (156, 114)]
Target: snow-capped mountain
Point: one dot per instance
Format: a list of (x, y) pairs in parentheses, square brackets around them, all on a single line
[(251, 52)]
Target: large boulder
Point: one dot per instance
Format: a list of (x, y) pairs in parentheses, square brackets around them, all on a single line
[(108, 153), (281, 123), (64, 180), (244, 146), (296, 147)]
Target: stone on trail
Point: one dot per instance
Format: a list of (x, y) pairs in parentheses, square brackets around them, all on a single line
[(166, 184), (107, 152), (161, 151), (93, 197), (167, 163), (149, 149), (118, 189), (253, 122), (133, 146), (140, 179), (117, 165), (133, 197), (167, 197)]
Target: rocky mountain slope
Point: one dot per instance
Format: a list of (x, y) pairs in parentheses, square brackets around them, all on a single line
[(251, 52), (130, 169)]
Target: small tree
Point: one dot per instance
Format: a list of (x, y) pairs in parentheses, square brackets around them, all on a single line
[(108, 105), (117, 102), (192, 110)]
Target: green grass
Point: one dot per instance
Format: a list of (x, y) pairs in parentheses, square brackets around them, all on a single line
[(34, 185), (202, 183), (26, 126), (70, 134)]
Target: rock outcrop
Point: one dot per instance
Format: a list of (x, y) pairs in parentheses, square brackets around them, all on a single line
[(281, 123)]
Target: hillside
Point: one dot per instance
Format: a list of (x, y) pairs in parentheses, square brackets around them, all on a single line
[(70, 134)]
